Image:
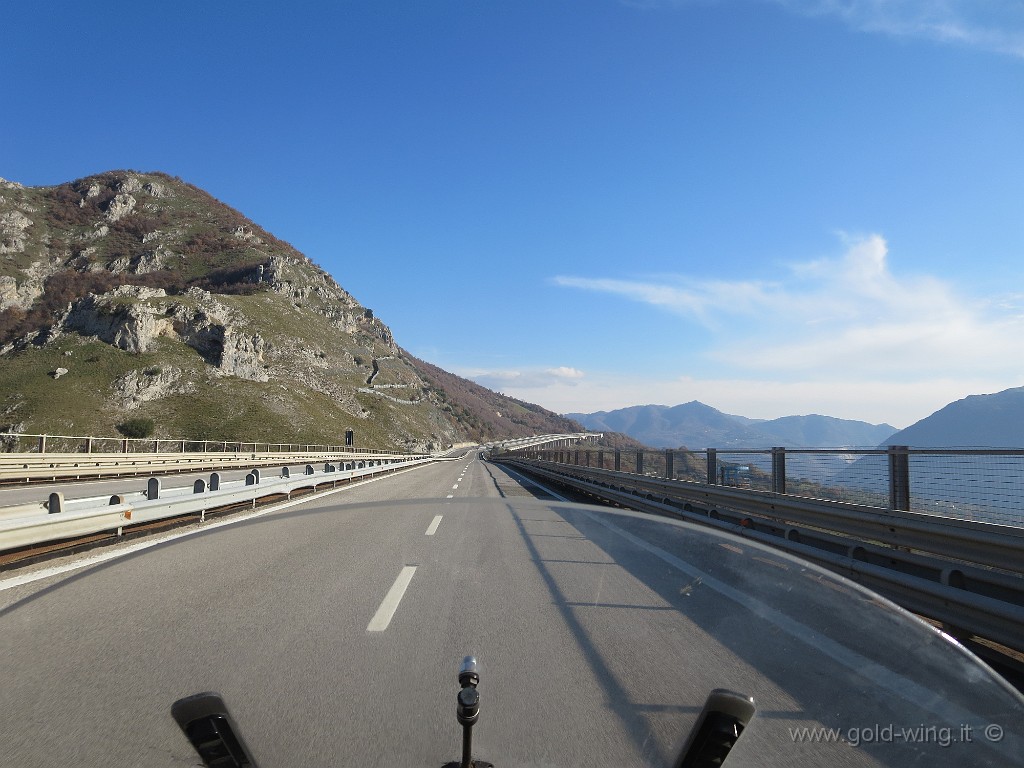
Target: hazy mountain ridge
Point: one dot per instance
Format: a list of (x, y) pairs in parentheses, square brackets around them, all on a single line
[(130, 294), (982, 421), (697, 425)]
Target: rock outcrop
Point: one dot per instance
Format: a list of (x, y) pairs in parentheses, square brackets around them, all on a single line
[(142, 386), (120, 317), (120, 206), (13, 226)]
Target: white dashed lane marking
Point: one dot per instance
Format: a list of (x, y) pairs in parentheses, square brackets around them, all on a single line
[(387, 609)]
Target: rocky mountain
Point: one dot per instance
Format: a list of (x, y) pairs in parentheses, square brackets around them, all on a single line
[(696, 425), (980, 421), (131, 294)]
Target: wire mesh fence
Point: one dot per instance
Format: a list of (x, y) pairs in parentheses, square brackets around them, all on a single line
[(978, 485), (985, 485)]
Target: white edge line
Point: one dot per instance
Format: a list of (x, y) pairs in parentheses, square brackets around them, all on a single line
[(387, 609), (432, 528), (45, 573)]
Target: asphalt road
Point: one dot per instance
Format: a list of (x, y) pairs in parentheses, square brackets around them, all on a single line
[(334, 629)]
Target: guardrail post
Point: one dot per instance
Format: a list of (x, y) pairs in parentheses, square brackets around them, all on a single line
[(153, 488), (670, 469), (215, 481), (712, 466), (779, 470), (55, 504), (899, 477), (199, 486), (42, 443), (639, 462)]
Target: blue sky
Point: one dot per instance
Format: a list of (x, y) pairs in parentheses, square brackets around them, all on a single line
[(772, 206)]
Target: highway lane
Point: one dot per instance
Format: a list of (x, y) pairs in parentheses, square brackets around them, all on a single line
[(595, 647)]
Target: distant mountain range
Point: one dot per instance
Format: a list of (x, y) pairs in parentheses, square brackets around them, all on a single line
[(696, 425), (993, 421), (980, 421)]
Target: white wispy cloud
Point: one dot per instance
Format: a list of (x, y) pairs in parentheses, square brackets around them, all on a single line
[(505, 380), (994, 25), (844, 316)]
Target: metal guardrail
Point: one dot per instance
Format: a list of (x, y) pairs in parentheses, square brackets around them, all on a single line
[(56, 519), (965, 574), (27, 467), (12, 442)]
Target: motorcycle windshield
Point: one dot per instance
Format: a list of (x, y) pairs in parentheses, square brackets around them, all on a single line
[(334, 632)]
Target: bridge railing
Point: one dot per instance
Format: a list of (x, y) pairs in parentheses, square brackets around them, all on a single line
[(981, 484), (964, 573), (17, 442)]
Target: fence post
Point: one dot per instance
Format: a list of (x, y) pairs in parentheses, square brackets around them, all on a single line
[(899, 477), (670, 469), (618, 460), (712, 466), (587, 453), (42, 443), (88, 445), (639, 462), (124, 445), (600, 459), (779, 470)]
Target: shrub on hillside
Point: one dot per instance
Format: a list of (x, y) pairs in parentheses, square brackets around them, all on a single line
[(137, 427)]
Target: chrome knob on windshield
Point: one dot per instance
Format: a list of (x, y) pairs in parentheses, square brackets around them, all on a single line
[(467, 710)]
